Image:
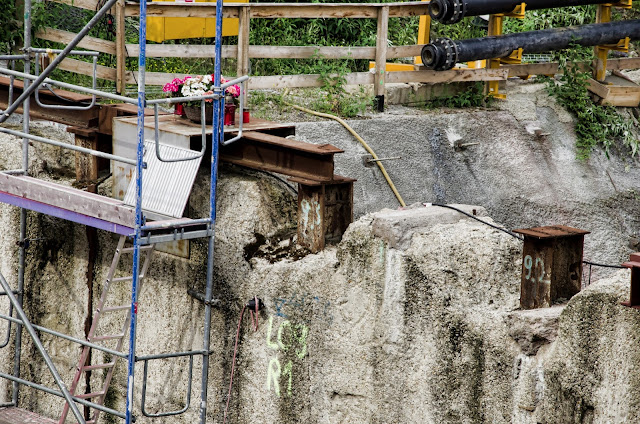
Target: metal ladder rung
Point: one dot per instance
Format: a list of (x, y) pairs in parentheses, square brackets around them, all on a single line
[(116, 308), (98, 366), (108, 337), (128, 278), (130, 249), (89, 395)]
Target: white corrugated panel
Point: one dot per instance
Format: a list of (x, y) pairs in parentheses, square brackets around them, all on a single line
[(165, 185)]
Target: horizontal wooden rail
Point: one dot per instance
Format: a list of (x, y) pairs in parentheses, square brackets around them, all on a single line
[(81, 4), (354, 78), (552, 68), (89, 43), (273, 52), (245, 11), (279, 10)]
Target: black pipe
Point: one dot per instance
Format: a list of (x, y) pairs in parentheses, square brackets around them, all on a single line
[(452, 11), (444, 53)]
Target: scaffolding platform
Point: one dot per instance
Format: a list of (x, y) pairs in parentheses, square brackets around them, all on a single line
[(67, 203), (20, 416)]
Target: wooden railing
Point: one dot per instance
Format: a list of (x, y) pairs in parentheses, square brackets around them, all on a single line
[(243, 52)]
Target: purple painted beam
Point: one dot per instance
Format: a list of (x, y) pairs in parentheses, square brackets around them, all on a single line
[(65, 214)]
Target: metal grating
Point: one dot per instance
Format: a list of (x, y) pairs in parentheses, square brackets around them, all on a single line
[(166, 185)]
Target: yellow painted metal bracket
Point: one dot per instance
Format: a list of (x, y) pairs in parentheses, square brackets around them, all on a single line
[(495, 28), (518, 12), (424, 30), (602, 52)]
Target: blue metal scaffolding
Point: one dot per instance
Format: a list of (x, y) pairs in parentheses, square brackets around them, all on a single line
[(133, 225)]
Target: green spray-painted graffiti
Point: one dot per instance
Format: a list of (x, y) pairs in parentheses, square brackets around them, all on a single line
[(290, 337)]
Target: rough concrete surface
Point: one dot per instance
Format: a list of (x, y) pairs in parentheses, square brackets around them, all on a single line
[(523, 180), (412, 318)]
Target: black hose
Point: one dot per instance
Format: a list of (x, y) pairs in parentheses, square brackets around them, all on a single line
[(512, 234)]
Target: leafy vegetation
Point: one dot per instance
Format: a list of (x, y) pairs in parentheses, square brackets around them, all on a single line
[(10, 30), (596, 124), (473, 96), (333, 97)]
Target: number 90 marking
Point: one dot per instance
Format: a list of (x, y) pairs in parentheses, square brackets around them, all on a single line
[(528, 266)]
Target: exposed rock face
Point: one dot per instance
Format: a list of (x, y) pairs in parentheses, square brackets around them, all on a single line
[(412, 318)]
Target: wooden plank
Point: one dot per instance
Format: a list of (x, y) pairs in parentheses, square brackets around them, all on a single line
[(65, 37), (86, 68), (68, 198), (624, 63), (282, 10), (551, 68), (182, 10), (271, 52), (404, 51), (453, 75), (382, 37), (81, 4), (86, 165), (301, 81), (181, 50), (264, 82), (616, 91), (598, 88), (243, 43), (304, 52), (121, 49)]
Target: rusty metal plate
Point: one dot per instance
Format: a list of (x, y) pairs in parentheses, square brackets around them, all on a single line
[(551, 265), (552, 231)]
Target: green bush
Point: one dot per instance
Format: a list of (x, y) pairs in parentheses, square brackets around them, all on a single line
[(10, 30), (595, 124)]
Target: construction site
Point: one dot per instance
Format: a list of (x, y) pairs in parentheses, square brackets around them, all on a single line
[(176, 251)]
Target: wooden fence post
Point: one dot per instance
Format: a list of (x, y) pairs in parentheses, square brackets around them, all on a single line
[(121, 52), (243, 42), (381, 55)]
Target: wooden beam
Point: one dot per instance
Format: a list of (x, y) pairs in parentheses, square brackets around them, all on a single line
[(281, 10), (86, 68), (121, 49), (404, 51), (181, 50), (68, 199), (272, 52), (625, 63), (300, 81), (552, 68), (304, 52), (382, 37), (243, 42), (82, 4), (89, 43), (453, 75)]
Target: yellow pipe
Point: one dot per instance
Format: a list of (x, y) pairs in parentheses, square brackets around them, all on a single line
[(360, 139)]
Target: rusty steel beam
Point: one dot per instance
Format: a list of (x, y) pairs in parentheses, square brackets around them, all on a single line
[(634, 291), (325, 210), (551, 265), (285, 156), (80, 118)]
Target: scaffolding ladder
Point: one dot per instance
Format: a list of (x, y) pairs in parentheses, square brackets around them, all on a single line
[(128, 222)]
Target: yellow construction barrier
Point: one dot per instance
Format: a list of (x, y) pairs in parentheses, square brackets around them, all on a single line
[(161, 29)]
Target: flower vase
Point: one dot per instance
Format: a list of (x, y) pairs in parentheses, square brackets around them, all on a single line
[(194, 113), (229, 114)]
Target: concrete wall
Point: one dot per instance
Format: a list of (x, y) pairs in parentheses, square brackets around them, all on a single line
[(412, 318)]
